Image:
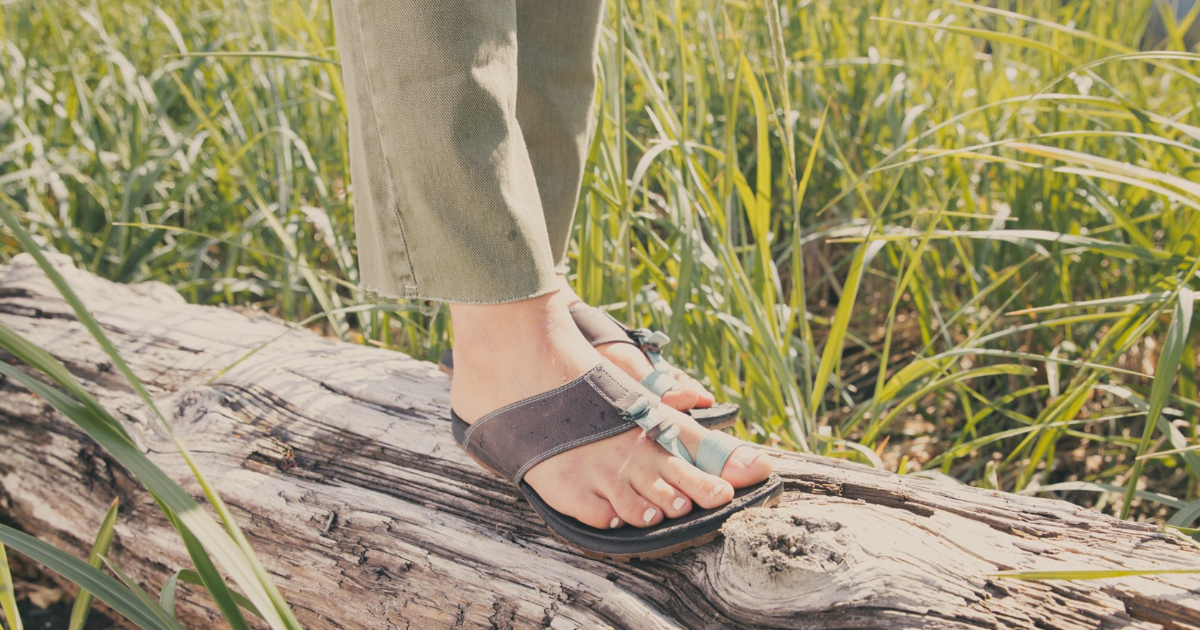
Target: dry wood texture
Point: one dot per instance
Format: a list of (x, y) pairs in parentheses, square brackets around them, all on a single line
[(338, 460)]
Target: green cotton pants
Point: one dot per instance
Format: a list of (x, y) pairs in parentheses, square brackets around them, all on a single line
[(469, 124)]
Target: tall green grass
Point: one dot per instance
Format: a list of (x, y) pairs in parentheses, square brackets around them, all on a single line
[(206, 540), (945, 238)]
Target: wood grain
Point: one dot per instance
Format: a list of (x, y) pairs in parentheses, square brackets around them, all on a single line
[(338, 460)]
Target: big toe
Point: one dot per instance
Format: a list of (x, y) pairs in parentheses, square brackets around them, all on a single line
[(704, 398), (682, 398), (747, 466)]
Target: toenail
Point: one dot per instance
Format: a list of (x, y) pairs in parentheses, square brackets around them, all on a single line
[(615, 523), (748, 459), (718, 488), (679, 503), (649, 515)]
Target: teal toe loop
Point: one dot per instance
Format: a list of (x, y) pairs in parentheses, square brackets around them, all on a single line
[(658, 338), (714, 451), (659, 382), (638, 409), (651, 342), (669, 440), (658, 427)]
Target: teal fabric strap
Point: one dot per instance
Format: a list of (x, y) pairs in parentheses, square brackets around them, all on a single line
[(651, 342), (659, 382), (657, 427), (714, 451)]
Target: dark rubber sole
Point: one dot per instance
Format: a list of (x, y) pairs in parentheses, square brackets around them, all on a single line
[(716, 417), (696, 528), (623, 544)]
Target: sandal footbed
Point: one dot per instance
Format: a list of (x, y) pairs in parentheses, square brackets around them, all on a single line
[(627, 543), (718, 416), (624, 543)]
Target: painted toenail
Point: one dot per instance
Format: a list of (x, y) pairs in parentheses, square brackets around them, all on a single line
[(615, 523), (679, 503), (649, 515)]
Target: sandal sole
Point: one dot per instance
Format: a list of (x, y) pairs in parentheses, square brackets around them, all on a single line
[(771, 500)]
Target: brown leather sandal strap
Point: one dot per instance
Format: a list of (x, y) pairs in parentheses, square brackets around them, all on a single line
[(513, 439), (598, 327)]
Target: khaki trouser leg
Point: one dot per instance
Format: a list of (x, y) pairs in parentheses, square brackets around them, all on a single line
[(446, 202), (556, 88)]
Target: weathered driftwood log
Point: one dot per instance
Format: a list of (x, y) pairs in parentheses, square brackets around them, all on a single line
[(339, 463)]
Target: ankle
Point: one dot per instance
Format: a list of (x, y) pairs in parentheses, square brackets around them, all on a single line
[(487, 324), (508, 352), (525, 333)]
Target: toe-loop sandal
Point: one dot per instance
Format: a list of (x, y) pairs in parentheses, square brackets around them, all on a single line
[(600, 328), (599, 404)]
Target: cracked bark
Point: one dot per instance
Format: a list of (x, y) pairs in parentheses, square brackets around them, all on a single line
[(338, 461)]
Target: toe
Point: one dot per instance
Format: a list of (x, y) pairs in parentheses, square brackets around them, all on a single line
[(747, 466), (592, 509), (668, 498), (633, 508), (696, 395), (681, 398), (705, 490), (703, 397)]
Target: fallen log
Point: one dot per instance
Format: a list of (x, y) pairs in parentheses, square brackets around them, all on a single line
[(338, 461)]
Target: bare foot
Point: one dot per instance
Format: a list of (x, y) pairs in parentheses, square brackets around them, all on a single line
[(508, 352), (690, 393)]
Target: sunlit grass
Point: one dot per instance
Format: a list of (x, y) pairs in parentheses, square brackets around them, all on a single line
[(938, 237)]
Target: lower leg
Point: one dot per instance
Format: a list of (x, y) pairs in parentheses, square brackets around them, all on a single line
[(555, 94)]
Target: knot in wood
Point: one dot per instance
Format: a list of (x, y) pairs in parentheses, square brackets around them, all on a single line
[(779, 547)]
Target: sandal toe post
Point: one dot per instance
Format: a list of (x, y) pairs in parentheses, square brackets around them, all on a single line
[(599, 404)]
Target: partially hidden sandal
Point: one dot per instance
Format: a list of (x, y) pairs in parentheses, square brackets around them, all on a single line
[(600, 404), (600, 328)]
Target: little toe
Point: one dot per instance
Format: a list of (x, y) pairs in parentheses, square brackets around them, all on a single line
[(633, 508), (596, 511)]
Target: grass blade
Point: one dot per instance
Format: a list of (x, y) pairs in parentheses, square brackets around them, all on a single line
[(1186, 515), (1164, 377), (273, 54), (1034, 576), (8, 596), (168, 493), (1002, 38), (143, 596), (166, 599), (104, 536), (211, 579), (105, 588), (832, 353), (191, 577)]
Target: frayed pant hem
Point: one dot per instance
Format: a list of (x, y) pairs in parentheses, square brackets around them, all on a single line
[(375, 293)]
